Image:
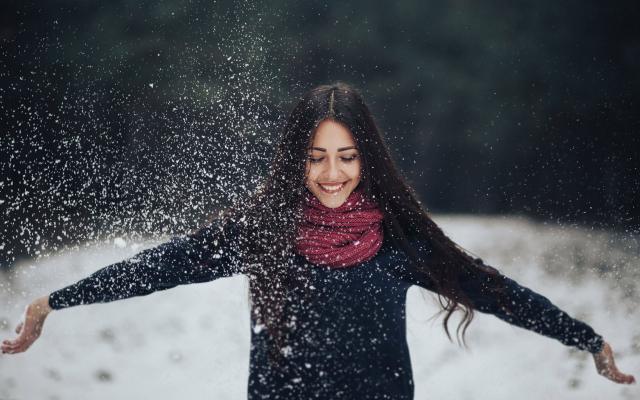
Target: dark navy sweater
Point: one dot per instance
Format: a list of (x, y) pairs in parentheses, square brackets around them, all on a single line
[(348, 339)]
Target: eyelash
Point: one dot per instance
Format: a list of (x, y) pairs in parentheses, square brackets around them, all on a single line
[(345, 159)]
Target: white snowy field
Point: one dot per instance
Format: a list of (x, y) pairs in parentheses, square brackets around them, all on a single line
[(192, 341)]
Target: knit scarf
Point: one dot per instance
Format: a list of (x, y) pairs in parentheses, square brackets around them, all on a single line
[(342, 236)]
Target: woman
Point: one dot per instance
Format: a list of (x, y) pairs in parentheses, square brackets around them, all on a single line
[(330, 243)]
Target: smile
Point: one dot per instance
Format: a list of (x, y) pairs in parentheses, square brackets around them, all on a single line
[(331, 188)]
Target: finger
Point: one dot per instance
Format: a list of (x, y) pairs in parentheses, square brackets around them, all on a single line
[(17, 348), (19, 327), (628, 379), (7, 343), (7, 349), (14, 343), (13, 350), (623, 379), (10, 342), (11, 346), (619, 377)]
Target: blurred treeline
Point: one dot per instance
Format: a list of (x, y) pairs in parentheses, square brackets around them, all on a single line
[(144, 117)]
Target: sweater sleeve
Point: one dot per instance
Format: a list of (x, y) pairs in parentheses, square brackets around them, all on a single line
[(526, 308), (205, 255)]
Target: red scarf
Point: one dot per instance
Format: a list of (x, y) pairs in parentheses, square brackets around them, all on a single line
[(343, 236)]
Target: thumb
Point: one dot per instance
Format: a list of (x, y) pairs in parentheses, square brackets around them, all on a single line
[(19, 327)]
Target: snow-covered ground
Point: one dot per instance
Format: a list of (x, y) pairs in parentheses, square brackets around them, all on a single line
[(192, 341)]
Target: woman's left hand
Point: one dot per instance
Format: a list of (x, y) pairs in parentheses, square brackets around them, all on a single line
[(606, 366)]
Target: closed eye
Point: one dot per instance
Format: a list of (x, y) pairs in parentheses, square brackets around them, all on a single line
[(314, 160)]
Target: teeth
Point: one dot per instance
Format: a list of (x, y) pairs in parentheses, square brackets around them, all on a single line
[(332, 188)]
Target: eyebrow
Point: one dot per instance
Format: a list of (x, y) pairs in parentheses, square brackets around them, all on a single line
[(339, 149)]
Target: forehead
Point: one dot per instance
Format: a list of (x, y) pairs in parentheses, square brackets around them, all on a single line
[(331, 134)]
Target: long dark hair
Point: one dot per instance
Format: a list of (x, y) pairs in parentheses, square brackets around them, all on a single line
[(268, 221)]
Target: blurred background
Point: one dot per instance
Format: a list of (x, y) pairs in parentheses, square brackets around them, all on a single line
[(143, 117), (123, 122)]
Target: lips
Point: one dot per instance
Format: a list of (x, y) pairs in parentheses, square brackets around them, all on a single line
[(331, 187)]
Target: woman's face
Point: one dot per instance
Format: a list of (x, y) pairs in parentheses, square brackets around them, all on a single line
[(333, 164)]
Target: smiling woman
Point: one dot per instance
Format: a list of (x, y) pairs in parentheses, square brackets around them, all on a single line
[(333, 166), (330, 243)]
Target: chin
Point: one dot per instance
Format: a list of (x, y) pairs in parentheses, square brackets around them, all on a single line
[(332, 201)]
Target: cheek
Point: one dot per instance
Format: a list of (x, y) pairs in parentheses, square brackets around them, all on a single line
[(355, 171), (309, 171)]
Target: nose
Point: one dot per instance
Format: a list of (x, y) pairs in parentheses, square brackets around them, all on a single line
[(333, 172)]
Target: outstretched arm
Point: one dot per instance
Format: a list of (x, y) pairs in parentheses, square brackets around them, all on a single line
[(206, 255), (530, 310), (533, 311)]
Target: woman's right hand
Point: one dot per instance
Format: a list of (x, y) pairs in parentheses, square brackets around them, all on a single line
[(30, 326)]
